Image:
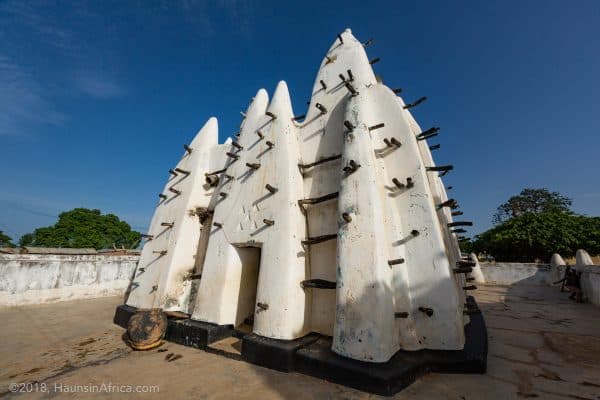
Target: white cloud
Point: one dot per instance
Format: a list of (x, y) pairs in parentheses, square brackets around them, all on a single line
[(97, 85), (22, 101)]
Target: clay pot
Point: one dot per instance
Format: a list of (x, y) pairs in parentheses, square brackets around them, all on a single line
[(146, 328)]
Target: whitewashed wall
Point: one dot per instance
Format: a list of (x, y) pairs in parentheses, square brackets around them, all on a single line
[(41, 278), (542, 274)]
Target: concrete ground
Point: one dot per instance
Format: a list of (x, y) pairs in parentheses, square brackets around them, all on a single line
[(541, 345)]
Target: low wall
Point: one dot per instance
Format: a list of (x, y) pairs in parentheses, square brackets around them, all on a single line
[(511, 273), (44, 278), (542, 274)]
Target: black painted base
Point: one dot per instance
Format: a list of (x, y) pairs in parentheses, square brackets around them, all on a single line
[(274, 353), (312, 354), (181, 331)]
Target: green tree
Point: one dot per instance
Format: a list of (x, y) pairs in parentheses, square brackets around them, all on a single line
[(534, 236), (82, 227), (5, 240), (534, 225), (532, 201), (466, 245)]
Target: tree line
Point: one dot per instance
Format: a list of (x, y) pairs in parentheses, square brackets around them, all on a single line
[(533, 225), (80, 228)]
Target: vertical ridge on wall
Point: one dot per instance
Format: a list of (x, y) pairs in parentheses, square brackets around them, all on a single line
[(162, 278)]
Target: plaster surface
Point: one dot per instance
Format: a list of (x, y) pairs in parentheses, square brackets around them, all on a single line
[(309, 224), (43, 278)]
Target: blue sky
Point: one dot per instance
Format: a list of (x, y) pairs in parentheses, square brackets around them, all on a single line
[(97, 98)]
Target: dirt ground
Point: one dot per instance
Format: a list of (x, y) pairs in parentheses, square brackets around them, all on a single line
[(542, 345)]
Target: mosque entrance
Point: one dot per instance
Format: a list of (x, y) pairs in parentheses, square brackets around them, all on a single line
[(250, 257)]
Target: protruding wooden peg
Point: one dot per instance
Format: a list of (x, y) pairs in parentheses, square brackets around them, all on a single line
[(182, 171), (223, 194), (398, 184), (457, 213), (218, 224), (415, 232), (350, 88), (416, 103), (350, 76), (349, 125), (428, 311), (463, 270), (375, 60), (154, 288), (368, 43), (396, 261), (269, 144), (401, 315), (243, 114), (409, 182), (470, 279), (212, 180), (449, 203), (167, 224), (434, 147), (172, 189), (187, 148), (160, 252), (342, 77), (387, 142), (441, 168), (459, 230), (270, 114), (237, 145), (231, 155), (470, 287), (162, 196), (449, 187), (172, 172), (321, 108), (270, 188), (323, 85), (395, 142), (268, 222), (466, 263), (347, 217), (460, 223), (351, 167), (433, 129), (461, 238), (397, 90), (429, 133), (253, 165), (329, 60), (260, 135), (378, 126), (147, 237), (424, 137), (340, 38)]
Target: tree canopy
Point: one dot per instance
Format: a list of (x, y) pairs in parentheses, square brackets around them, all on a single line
[(5, 240), (82, 227), (534, 225), (531, 201)]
